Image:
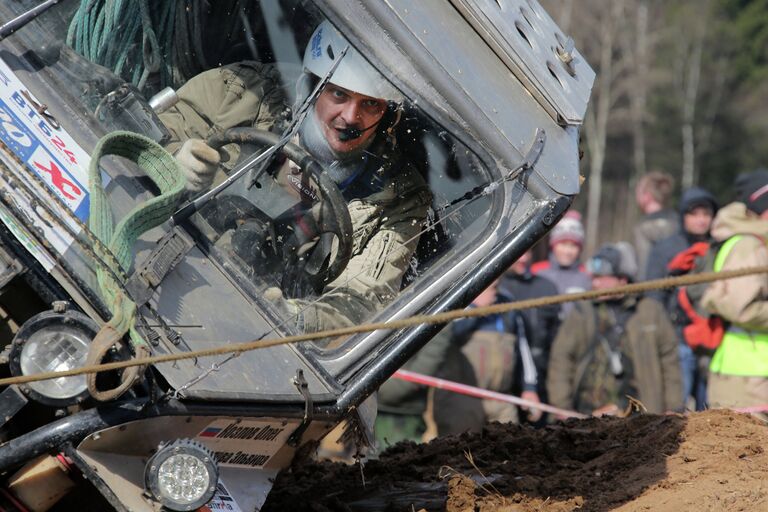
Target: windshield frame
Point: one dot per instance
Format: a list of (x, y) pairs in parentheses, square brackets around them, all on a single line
[(429, 287)]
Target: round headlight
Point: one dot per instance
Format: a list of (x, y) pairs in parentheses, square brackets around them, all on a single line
[(182, 475), (50, 342)]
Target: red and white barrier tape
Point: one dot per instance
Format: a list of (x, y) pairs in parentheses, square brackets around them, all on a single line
[(753, 409), (465, 389)]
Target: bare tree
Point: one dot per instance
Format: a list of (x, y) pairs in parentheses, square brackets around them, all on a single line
[(635, 47), (688, 80), (707, 119), (596, 122), (639, 92)]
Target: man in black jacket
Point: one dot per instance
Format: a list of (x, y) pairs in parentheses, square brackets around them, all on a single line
[(519, 283), (697, 210)]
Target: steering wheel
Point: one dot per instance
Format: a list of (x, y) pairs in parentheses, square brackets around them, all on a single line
[(324, 216)]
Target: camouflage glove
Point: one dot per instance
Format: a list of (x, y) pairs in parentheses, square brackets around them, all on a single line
[(199, 162)]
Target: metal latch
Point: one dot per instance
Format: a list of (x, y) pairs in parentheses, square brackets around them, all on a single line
[(531, 157), (301, 384)]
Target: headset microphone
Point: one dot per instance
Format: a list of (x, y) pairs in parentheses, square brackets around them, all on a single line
[(347, 134), (352, 133)]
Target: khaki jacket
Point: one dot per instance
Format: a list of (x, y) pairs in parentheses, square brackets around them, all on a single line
[(742, 301), (386, 223), (649, 342)]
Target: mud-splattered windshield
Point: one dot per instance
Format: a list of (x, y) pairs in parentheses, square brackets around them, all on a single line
[(361, 203)]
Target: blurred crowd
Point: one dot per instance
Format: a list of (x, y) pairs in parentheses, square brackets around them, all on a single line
[(668, 350)]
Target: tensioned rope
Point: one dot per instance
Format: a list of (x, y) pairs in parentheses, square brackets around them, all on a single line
[(439, 318)]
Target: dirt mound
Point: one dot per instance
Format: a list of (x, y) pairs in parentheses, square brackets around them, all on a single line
[(714, 460)]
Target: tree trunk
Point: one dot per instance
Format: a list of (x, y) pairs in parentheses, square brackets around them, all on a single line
[(641, 90), (596, 122), (691, 80), (636, 50)]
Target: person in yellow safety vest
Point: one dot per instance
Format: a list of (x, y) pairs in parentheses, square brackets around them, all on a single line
[(739, 368)]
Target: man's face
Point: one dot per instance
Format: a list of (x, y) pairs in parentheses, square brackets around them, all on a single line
[(605, 282), (488, 296), (521, 265), (338, 108), (566, 252), (698, 220)]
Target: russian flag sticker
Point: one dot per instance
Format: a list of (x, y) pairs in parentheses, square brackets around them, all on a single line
[(210, 432)]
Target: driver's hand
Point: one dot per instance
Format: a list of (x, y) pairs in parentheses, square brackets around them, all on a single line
[(289, 309), (199, 162)]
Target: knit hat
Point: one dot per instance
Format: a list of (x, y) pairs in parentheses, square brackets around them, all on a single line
[(614, 260), (569, 229), (752, 190), (695, 197)]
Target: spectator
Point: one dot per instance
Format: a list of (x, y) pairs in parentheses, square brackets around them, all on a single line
[(562, 267), (401, 404), (697, 209), (652, 195), (519, 283), (615, 346), (497, 348), (739, 368)]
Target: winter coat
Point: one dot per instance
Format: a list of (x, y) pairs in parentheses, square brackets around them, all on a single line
[(543, 322), (664, 250), (652, 228), (498, 347), (648, 342), (388, 201), (743, 301), (402, 397), (490, 352), (572, 279)]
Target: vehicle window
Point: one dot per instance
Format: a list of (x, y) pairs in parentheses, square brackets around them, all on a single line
[(370, 194)]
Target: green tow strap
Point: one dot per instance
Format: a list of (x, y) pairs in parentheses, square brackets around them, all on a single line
[(165, 172)]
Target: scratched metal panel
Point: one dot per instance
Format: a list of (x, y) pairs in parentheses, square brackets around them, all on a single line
[(536, 50), (431, 49)]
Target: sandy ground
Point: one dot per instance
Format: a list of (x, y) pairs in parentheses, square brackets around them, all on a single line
[(715, 460)]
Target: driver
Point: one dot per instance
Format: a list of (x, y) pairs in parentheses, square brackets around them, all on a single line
[(351, 132)]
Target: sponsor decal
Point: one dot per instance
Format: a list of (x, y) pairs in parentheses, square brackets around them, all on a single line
[(210, 432), (240, 458), (235, 431), (245, 443), (221, 500), (48, 152), (316, 50), (302, 187), (27, 146)]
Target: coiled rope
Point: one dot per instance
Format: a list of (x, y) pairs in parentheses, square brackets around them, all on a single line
[(152, 43)]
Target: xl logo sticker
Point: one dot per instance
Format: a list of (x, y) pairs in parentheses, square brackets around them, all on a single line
[(29, 148)]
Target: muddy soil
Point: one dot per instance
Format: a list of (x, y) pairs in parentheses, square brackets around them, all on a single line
[(715, 460)]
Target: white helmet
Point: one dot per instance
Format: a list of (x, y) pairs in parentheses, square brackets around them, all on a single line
[(354, 72)]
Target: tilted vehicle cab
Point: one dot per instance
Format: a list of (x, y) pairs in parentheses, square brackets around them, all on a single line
[(486, 99)]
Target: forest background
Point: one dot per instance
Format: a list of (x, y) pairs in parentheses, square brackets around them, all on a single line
[(681, 87)]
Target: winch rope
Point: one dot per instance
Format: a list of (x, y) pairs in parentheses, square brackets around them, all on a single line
[(164, 171), (439, 318)]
